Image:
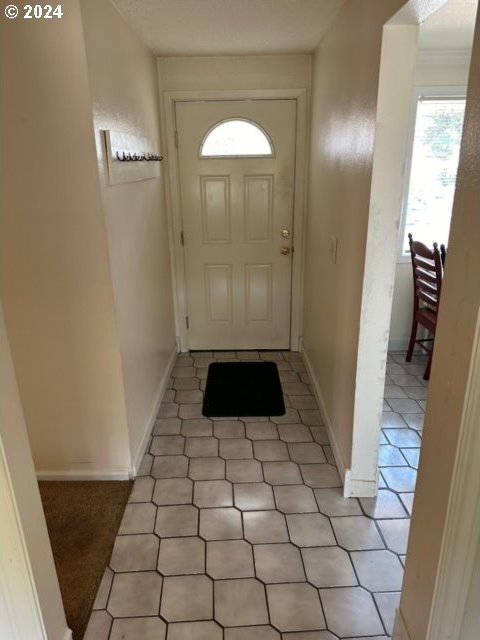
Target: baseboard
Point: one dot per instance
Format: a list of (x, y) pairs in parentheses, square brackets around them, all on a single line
[(82, 475), (399, 629), (353, 488), (341, 466), (147, 430)]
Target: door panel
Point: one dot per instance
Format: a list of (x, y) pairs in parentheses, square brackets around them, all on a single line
[(258, 208), (258, 292), (234, 209), (218, 293)]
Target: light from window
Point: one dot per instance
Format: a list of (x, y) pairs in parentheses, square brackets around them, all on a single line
[(436, 147), (236, 138)]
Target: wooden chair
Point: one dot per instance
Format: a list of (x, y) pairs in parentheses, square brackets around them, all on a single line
[(443, 254), (427, 286)]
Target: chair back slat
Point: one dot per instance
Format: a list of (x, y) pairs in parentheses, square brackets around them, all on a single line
[(424, 263), (431, 301), (428, 291), (426, 276)]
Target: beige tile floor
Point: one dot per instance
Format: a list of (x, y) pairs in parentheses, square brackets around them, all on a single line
[(236, 529)]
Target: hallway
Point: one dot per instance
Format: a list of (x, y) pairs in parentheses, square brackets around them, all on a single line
[(238, 529)]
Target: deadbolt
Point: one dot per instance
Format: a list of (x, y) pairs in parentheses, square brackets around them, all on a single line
[(285, 233), (285, 251)]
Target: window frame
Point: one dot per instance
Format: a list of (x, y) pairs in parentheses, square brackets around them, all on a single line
[(236, 157), (430, 92)]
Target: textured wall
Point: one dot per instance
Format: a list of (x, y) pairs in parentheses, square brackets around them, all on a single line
[(123, 83), (55, 277), (344, 96)]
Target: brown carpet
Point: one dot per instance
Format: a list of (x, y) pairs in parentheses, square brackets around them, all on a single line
[(82, 519)]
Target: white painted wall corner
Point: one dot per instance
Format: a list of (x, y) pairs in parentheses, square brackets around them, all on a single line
[(342, 468), (142, 444)]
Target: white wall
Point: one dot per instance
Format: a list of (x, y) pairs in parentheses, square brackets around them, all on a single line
[(234, 72), (30, 601), (428, 73), (55, 277), (344, 99), (124, 87)]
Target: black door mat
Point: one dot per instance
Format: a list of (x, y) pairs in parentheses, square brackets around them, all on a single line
[(243, 389)]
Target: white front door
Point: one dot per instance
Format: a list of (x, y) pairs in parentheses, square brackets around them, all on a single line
[(236, 164)]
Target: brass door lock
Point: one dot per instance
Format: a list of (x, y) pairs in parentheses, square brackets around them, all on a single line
[(285, 251)]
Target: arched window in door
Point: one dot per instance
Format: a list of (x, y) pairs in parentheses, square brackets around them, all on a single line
[(234, 138)]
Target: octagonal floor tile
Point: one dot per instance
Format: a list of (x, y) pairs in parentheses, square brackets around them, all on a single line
[(144, 628), (328, 567), (310, 530), (181, 556), (195, 631), (240, 603), (265, 526), (181, 520), (278, 563), (135, 594), (295, 499), (213, 493), (378, 570), (253, 496), (187, 598), (135, 552), (351, 612), (221, 524), (295, 607), (230, 559), (173, 491)]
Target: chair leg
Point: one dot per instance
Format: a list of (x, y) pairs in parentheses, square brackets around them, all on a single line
[(411, 344), (426, 375)]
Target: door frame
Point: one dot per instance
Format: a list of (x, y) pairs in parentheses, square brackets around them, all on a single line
[(174, 215)]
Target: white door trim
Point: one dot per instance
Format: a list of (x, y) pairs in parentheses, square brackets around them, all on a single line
[(172, 188), (462, 526), (19, 606)]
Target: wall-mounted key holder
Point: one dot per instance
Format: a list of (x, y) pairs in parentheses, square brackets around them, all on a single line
[(130, 158)]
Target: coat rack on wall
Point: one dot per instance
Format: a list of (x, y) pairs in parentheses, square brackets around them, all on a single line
[(140, 157), (130, 158)]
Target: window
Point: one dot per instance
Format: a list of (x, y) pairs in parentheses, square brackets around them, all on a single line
[(233, 138), (433, 170)]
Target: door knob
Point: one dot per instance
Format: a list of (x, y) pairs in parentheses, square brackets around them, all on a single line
[(285, 251)]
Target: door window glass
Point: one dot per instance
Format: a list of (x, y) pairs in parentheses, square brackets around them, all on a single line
[(234, 138)]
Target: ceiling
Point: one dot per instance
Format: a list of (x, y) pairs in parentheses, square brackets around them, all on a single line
[(450, 27), (229, 27)]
